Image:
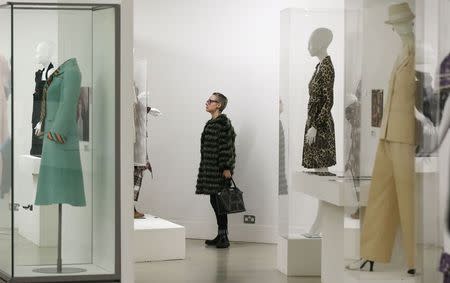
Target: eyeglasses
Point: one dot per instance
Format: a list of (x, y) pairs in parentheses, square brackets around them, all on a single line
[(209, 101)]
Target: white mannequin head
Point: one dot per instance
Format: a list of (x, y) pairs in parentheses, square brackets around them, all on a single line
[(44, 53), (319, 41)]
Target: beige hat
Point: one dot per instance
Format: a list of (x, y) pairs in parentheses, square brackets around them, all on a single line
[(400, 13)]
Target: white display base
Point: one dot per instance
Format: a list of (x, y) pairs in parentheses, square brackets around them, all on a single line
[(156, 239), (33, 163), (299, 256), (338, 193)]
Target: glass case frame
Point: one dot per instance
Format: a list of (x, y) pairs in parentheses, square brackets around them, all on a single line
[(10, 273)]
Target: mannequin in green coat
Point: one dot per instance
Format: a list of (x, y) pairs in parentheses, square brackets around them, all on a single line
[(60, 175)]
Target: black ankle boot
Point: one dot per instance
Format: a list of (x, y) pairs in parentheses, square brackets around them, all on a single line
[(412, 271), (212, 242), (223, 241), (364, 264)]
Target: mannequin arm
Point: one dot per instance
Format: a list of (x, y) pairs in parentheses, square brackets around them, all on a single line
[(311, 135)]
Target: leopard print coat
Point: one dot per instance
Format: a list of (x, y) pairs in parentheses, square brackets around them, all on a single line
[(322, 153)]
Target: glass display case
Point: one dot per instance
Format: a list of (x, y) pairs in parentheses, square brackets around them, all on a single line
[(341, 204), (60, 184)]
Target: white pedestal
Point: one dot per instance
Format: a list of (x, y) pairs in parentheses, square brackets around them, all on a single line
[(299, 256), (156, 239), (338, 193)]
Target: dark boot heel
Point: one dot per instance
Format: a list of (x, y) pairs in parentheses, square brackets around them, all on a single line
[(371, 265), (412, 271)]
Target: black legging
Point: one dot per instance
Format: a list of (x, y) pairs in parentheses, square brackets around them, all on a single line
[(222, 219)]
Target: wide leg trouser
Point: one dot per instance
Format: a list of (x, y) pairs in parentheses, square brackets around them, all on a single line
[(391, 202)]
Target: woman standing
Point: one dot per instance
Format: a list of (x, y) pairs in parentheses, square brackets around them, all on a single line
[(216, 162)]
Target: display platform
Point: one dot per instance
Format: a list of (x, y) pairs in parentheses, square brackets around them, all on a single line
[(91, 269), (331, 189), (299, 256), (338, 193), (156, 239), (31, 162)]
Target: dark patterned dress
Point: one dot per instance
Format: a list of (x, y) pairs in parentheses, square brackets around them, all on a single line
[(321, 153), (36, 142)]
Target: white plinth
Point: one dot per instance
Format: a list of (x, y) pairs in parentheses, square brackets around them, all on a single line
[(338, 193), (33, 163), (156, 239), (299, 256)]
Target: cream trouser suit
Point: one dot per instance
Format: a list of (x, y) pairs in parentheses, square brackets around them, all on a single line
[(391, 197)]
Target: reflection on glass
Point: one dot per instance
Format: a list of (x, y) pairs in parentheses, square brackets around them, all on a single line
[(282, 180)]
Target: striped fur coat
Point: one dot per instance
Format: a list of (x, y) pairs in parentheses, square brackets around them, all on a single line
[(217, 154)]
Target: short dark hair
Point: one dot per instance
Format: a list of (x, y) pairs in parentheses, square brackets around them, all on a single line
[(223, 100)]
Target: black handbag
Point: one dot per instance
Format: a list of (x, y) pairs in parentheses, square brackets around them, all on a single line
[(231, 200)]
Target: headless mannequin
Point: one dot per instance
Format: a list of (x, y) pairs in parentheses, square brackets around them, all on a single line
[(319, 42)]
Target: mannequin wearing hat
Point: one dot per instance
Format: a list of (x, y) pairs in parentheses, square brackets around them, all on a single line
[(319, 149), (391, 196)]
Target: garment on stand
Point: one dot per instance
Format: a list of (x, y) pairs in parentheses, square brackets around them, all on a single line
[(140, 115), (141, 162), (60, 175), (321, 153), (36, 142), (391, 195)]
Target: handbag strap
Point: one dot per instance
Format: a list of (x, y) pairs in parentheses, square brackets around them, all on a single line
[(234, 185)]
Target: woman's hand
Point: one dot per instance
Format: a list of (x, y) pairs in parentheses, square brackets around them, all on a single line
[(227, 174)]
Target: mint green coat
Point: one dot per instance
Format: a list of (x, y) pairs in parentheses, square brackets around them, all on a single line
[(60, 175)]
